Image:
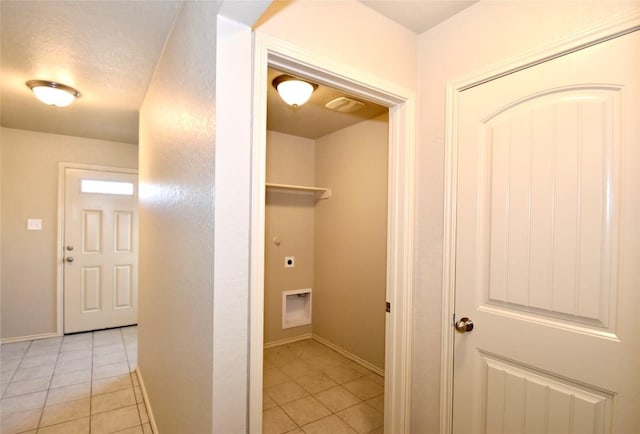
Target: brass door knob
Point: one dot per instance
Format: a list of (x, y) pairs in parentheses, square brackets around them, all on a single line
[(464, 325)]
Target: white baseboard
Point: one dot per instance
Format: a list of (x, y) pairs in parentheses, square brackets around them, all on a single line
[(288, 341), (349, 355), (29, 338), (147, 406)]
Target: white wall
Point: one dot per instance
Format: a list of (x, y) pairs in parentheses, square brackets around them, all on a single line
[(177, 139), (486, 33), (30, 190), (232, 228)]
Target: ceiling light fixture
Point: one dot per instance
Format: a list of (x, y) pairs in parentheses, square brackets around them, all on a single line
[(52, 93), (293, 91)]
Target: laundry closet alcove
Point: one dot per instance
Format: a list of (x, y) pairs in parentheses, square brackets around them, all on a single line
[(326, 208)]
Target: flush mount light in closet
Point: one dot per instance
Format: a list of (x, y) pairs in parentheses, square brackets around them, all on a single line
[(52, 93), (293, 91)]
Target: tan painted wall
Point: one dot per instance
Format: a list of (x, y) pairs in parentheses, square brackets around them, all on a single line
[(30, 190), (469, 41), (350, 239), (177, 138), (289, 217)]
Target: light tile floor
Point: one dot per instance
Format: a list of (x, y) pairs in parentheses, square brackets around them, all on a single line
[(309, 388), (76, 384)]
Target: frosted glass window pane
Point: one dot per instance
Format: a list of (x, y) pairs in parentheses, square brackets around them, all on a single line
[(106, 187)]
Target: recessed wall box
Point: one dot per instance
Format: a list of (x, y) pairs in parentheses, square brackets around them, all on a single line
[(296, 308)]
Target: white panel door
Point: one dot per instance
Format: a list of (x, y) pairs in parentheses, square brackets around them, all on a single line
[(548, 247), (100, 250)]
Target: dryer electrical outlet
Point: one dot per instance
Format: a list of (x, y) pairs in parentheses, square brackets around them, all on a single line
[(289, 261)]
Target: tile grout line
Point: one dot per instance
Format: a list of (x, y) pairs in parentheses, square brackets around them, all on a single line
[(130, 382), (129, 374), (44, 404), (23, 354), (15, 371), (133, 386), (313, 395), (331, 411)]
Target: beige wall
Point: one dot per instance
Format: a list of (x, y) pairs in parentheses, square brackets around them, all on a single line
[(289, 217), (467, 42), (350, 239), (177, 138), (30, 190)]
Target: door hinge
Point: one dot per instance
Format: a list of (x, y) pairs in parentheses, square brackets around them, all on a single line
[(388, 308)]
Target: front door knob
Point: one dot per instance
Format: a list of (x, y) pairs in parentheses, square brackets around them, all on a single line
[(69, 259), (464, 325)]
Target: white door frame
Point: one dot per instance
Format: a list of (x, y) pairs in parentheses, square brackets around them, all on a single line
[(62, 166), (603, 32), (269, 51)]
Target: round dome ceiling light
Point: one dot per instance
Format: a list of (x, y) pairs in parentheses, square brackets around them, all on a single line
[(52, 93), (293, 91)]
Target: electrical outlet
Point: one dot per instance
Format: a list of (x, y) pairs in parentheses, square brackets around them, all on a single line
[(289, 262)]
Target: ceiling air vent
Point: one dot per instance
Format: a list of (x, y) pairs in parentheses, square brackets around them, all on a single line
[(344, 104)]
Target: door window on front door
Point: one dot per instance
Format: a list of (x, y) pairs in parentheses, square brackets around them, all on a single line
[(106, 187)]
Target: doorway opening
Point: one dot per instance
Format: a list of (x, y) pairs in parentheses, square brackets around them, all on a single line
[(399, 227), (325, 262)]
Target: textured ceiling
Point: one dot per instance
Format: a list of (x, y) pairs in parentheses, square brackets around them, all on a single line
[(312, 120), (108, 50)]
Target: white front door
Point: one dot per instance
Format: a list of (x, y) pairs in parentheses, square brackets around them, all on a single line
[(100, 249), (548, 247)]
